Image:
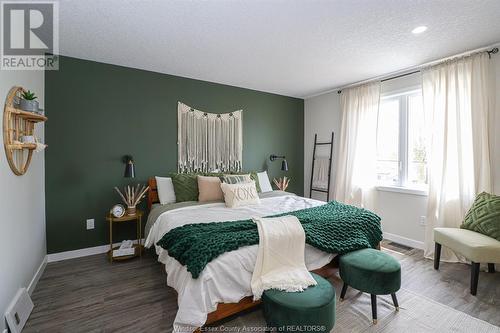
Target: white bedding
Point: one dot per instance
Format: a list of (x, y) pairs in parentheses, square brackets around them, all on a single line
[(226, 279)]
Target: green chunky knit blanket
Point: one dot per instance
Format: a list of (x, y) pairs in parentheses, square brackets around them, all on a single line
[(333, 227)]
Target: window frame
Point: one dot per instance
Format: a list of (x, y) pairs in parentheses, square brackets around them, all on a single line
[(402, 184)]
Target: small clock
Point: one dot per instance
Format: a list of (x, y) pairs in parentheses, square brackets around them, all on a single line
[(117, 210)]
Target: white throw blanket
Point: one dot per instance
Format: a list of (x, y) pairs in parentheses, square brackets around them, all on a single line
[(320, 174), (280, 257)]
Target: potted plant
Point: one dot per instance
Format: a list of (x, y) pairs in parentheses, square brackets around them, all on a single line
[(281, 183), (28, 101), (131, 196)]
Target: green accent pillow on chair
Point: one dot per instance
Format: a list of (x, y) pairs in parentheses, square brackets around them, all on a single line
[(185, 186), (484, 216)]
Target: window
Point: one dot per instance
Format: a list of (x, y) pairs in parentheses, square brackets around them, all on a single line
[(401, 153)]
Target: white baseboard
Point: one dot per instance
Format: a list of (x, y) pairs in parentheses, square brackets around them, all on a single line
[(36, 277), (89, 251), (404, 241)]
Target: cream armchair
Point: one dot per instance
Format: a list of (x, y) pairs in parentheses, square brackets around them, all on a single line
[(474, 246)]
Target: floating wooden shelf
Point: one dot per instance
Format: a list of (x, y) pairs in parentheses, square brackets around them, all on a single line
[(18, 123), (34, 117), (19, 146)]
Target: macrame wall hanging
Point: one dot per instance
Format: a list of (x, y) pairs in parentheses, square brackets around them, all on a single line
[(209, 142)]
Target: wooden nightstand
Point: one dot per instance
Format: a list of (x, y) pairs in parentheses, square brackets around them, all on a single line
[(137, 217)]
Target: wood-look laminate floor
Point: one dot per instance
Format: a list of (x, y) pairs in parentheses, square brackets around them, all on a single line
[(91, 295)]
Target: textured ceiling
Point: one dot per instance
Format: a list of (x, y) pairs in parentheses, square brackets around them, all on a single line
[(294, 48)]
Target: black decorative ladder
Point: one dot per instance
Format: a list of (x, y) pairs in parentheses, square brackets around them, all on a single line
[(316, 143)]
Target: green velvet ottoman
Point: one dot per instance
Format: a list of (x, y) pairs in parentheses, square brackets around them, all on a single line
[(312, 310), (371, 271)]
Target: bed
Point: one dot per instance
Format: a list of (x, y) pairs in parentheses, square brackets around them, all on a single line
[(223, 288)]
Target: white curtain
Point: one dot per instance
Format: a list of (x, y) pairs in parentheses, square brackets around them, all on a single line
[(356, 165), (209, 141), (456, 107)]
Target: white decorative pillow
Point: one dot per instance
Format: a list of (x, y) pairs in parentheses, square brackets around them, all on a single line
[(165, 187), (264, 183), (242, 194)]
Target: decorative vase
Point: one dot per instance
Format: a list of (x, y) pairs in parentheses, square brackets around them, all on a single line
[(281, 183), (28, 105), (131, 196), (131, 210)]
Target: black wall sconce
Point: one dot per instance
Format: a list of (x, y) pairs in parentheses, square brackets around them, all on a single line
[(284, 164), (129, 166)]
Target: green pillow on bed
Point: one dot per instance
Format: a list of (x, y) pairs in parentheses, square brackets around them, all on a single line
[(213, 174), (185, 186), (255, 178), (237, 177)]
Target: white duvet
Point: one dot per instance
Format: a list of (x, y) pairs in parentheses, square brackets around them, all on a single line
[(226, 279)]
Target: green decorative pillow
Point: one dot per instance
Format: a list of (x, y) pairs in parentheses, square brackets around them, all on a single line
[(185, 186), (484, 215), (235, 178), (214, 174), (255, 178)]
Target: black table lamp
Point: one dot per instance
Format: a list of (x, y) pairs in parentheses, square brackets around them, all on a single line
[(284, 163), (129, 166)]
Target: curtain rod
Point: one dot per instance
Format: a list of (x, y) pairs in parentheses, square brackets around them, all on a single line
[(397, 76)]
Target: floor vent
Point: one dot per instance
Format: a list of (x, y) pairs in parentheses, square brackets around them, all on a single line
[(18, 311)]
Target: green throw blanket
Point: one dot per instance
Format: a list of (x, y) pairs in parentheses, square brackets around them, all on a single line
[(333, 227)]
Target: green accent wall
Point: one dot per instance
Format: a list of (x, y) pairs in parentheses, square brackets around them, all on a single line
[(99, 112)]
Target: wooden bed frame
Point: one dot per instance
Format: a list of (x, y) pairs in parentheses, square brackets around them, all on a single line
[(225, 310), (152, 192)]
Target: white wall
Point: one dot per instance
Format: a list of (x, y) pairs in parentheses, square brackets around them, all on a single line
[(321, 116), (400, 212), (22, 205)]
